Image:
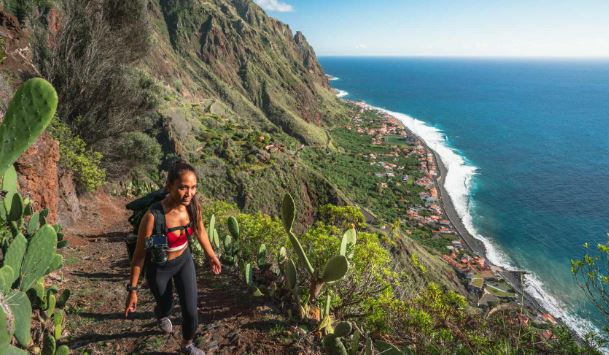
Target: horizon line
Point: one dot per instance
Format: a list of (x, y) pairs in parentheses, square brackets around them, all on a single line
[(463, 56)]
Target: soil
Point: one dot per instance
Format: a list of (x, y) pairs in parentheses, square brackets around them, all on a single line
[(231, 320)]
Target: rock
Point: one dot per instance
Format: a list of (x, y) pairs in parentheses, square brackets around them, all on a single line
[(37, 170), (68, 207)]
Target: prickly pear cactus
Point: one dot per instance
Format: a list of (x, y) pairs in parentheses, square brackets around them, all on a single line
[(38, 257), (335, 269), (233, 227), (9, 184), (301, 253), (21, 309), (348, 241), (249, 277), (58, 323), (261, 256), (49, 345), (7, 323), (6, 275), (29, 113)]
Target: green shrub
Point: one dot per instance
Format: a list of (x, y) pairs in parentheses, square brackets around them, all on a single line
[(76, 156), (259, 228), (342, 216), (136, 152)]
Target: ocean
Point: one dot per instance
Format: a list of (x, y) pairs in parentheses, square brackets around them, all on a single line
[(526, 144)]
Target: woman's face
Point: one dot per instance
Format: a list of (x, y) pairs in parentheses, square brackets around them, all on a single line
[(184, 188)]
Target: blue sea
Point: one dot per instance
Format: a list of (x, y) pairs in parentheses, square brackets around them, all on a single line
[(526, 142)]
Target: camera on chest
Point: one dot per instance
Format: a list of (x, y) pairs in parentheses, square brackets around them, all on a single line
[(157, 246)]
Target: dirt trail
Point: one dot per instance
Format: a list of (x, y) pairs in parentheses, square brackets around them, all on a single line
[(231, 320)]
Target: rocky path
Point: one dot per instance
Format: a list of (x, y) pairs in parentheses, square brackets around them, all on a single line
[(97, 269)]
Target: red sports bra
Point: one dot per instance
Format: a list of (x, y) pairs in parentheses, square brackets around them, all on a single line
[(177, 242)]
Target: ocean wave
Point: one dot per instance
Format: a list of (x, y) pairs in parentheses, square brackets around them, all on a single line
[(331, 77), (458, 181), (341, 93)]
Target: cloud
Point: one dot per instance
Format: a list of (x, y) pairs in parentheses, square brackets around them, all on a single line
[(361, 46), (274, 5)]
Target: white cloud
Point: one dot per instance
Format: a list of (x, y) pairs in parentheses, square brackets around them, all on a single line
[(274, 5), (361, 46)]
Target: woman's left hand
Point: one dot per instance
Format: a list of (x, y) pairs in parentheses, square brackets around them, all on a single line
[(216, 266)]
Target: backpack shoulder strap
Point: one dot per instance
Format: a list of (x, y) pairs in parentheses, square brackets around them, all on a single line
[(159, 217)]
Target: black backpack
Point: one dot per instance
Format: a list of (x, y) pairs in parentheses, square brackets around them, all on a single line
[(139, 208)]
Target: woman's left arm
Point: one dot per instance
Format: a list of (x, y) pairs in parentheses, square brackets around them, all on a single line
[(209, 250)]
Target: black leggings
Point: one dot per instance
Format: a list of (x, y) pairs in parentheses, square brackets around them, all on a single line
[(182, 270)]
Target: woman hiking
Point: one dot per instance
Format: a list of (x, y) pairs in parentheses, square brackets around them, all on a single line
[(170, 221)]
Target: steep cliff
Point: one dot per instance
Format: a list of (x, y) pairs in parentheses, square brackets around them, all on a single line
[(233, 53)]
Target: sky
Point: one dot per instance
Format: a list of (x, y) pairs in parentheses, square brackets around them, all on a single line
[(477, 28)]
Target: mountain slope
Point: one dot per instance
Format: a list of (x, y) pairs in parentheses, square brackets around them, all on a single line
[(230, 51)]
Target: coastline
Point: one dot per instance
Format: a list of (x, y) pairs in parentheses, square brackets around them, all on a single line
[(473, 245)]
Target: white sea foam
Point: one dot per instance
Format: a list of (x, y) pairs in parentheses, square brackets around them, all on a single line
[(457, 184), (331, 78), (341, 93)]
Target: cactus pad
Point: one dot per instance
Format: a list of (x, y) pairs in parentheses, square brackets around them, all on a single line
[(6, 275), (22, 312), (249, 277), (335, 268), (301, 254), (290, 274), (29, 113), (9, 184), (48, 345), (342, 329), (16, 211), (58, 323), (233, 227), (7, 323), (38, 256), (349, 238)]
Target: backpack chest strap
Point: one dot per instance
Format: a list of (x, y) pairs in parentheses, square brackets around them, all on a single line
[(159, 220)]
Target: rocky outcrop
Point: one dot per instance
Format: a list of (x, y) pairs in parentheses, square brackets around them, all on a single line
[(15, 50), (38, 175), (68, 208)]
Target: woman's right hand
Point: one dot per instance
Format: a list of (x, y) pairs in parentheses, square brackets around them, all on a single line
[(131, 303)]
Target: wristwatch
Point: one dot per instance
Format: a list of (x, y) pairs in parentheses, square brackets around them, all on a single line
[(131, 288)]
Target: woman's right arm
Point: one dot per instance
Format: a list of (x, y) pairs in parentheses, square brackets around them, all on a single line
[(145, 231)]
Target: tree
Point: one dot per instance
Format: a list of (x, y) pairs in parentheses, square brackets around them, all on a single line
[(591, 272)]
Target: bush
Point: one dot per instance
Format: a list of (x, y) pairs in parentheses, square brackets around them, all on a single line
[(259, 228), (76, 156), (342, 216), (91, 64), (135, 152), (22, 9)]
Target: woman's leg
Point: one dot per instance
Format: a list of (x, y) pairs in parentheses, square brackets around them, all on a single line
[(186, 285), (159, 281)]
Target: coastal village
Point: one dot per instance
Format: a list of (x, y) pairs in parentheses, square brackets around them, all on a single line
[(482, 279)]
